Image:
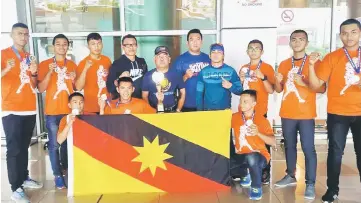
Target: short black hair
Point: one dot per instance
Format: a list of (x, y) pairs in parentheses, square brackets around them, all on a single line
[(21, 25), (93, 36), (256, 41), (125, 79), (75, 94), (129, 36), (299, 31), (194, 31), (252, 93), (60, 36), (350, 22)]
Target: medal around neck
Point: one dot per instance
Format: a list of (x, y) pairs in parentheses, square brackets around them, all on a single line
[(158, 78)]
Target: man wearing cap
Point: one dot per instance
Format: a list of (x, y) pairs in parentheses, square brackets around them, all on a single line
[(216, 82), (163, 91)]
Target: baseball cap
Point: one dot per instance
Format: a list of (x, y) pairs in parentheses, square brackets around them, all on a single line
[(161, 49), (217, 46)]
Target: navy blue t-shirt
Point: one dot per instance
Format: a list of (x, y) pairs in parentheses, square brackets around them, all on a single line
[(175, 81), (195, 63)]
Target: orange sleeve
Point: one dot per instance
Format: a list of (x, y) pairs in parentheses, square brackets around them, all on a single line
[(43, 70), (62, 124), (270, 73), (107, 110), (283, 70), (80, 68), (72, 67), (108, 62), (265, 127), (323, 71), (147, 109), (3, 59)]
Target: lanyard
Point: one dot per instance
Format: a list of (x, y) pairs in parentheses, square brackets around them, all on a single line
[(302, 65), (356, 68), (19, 56), (249, 68), (54, 61), (244, 118)]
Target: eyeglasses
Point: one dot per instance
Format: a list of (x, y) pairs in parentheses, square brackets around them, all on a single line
[(130, 45)]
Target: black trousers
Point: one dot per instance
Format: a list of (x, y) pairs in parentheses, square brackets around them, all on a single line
[(18, 132)]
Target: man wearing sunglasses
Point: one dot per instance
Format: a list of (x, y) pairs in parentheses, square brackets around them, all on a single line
[(128, 65)]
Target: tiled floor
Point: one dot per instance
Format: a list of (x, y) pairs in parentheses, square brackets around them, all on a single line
[(349, 183)]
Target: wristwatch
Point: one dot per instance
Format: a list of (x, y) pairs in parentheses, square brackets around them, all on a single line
[(264, 78)]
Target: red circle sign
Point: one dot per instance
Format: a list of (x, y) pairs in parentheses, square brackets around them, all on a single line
[(287, 16)]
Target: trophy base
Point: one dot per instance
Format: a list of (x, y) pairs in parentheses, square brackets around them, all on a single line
[(160, 108)]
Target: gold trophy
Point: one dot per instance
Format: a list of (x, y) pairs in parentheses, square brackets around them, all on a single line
[(158, 78)]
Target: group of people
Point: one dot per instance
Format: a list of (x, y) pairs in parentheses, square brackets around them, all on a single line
[(196, 81)]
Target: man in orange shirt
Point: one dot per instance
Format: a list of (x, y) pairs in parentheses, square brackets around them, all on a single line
[(259, 76), (125, 104), (341, 70), (18, 83), (298, 111), (56, 77), (92, 73), (251, 132)]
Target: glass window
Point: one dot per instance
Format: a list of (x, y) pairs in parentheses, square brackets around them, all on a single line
[(5, 41), (316, 21), (75, 16), (170, 15), (176, 44), (8, 12), (78, 48)]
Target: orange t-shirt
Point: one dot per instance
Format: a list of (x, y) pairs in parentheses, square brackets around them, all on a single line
[(344, 96), (298, 102), (245, 144), (16, 90), (64, 121), (257, 84), (135, 106), (95, 81), (59, 88)]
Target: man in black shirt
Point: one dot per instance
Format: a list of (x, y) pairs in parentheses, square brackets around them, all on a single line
[(128, 65)]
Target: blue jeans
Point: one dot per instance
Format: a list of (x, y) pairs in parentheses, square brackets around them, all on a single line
[(306, 128), (52, 124), (337, 129), (255, 162)]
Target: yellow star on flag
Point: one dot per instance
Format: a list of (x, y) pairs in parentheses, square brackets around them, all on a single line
[(152, 155)]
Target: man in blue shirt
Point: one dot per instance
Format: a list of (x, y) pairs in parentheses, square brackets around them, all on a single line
[(169, 84), (189, 64), (216, 82)]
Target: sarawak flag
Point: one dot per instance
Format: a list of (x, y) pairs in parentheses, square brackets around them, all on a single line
[(181, 152)]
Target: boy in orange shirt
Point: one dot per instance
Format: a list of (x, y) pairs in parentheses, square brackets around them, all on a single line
[(126, 104), (259, 76), (92, 73), (76, 104), (18, 83), (298, 112), (341, 70), (250, 133), (56, 77)]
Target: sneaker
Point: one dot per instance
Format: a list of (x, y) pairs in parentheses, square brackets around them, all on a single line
[(246, 181), (59, 182), (32, 184), (286, 181), (19, 196), (330, 196), (266, 177), (234, 178), (310, 191), (256, 194)]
